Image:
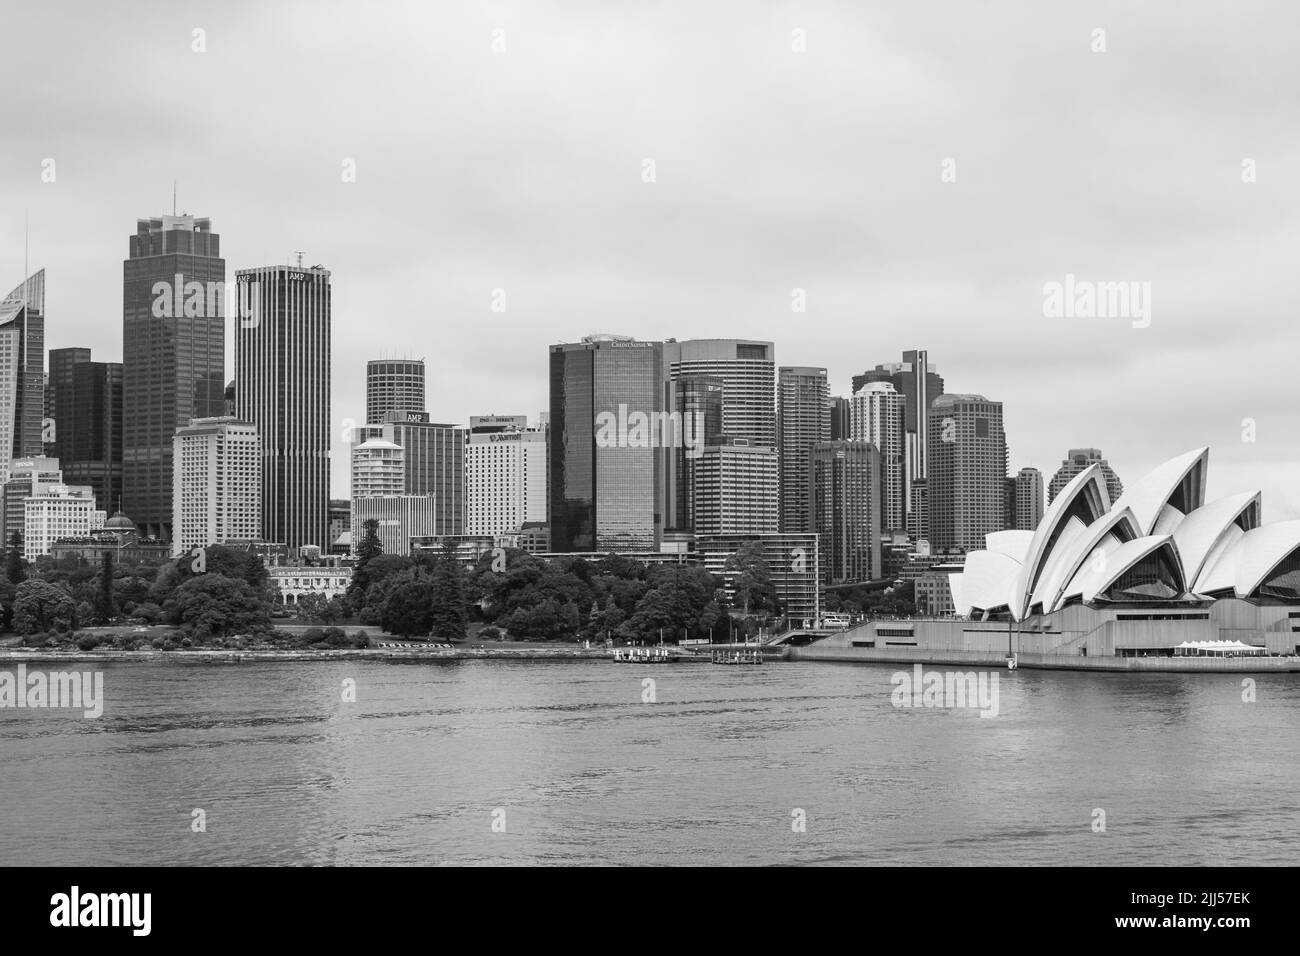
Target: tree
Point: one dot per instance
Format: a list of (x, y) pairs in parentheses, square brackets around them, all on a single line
[(408, 612), (107, 607), (368, 550), (42, 606), (15, 566), (213, 605), (448, 615), (752, 582)]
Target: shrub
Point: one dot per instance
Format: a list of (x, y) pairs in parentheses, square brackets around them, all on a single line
[(88, 642), (490, 634)]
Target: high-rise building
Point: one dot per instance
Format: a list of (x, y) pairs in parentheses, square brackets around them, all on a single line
[(505, 475), (1076, 461), (282, 376), (919, 383), (217, 478), (22, 371), (841, 412), (877, 417), (747, 371), (803, 420), (28, 477), (85, 403), (607, 445), (378, 468), (434, 456), (173, 354), (735, 490), (400, 518), (63, 511), (1029, 499), (393, 385), (844, 506), (59, 399), (699, 400), (967, 471)]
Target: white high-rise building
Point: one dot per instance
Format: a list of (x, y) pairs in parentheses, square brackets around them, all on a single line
[(735, 490), (505, 475), (378, 468), (63, 511), (216, 483), (876, 416)]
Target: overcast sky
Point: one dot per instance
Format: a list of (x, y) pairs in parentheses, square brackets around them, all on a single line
[(774, 170)]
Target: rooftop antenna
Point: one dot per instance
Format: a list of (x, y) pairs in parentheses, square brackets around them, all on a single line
[(26, 234), (299, 255), (173, 197)]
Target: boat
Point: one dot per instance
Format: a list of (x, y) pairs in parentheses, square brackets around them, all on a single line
[(646, 655)]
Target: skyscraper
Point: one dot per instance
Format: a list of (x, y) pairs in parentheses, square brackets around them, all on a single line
[(919, 383), (435, 464), (505, 475), (282, 376), (735, 490), (1076, 461), (747, 371), (173, 354), (84, 399), (1029, 499), (22, 371), (700, 398), (968, 470), (841, 412), (803, 420), (217, 494), (393, 385), (844, 508), (877, 417), (607, 444)]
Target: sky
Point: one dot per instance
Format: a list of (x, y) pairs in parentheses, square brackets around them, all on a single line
[(919, 170)]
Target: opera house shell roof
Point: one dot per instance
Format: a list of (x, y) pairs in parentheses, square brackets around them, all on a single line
[(1160, 544)]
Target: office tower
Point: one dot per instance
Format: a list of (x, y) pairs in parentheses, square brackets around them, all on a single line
[(803, 420), (282, 376), (746, 369), (505, 475), (919, 383), (699, 400), (230, 399), (28, 477), (85, 403), (434, 464), (918, 519), (22, 371), (1029, 499), (340, 517), (841, 412), (378, 468), (968, 470), (1076, 461), (59, 512), (217, 475), (844, 508), (607, 445), (393, 385), (173, 354), (877, 417), (735, 490), (792, 568), (60, 399)]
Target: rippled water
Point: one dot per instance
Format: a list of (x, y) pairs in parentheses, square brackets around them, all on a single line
[(585, 772)]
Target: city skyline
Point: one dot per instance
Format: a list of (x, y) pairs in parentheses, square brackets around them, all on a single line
[(889, 255)]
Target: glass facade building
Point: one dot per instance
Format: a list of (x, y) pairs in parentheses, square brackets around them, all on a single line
[(393, 385), (605, 470), (803, 420), (173, 354), (22, 370)]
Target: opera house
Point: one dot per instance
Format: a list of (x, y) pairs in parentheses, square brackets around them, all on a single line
[(1157, 577)]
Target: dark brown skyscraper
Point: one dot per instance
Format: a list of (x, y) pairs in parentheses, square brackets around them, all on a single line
[(173, 354), (85, 402)]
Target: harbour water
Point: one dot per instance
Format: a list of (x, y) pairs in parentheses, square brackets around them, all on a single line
[(567, 762)]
